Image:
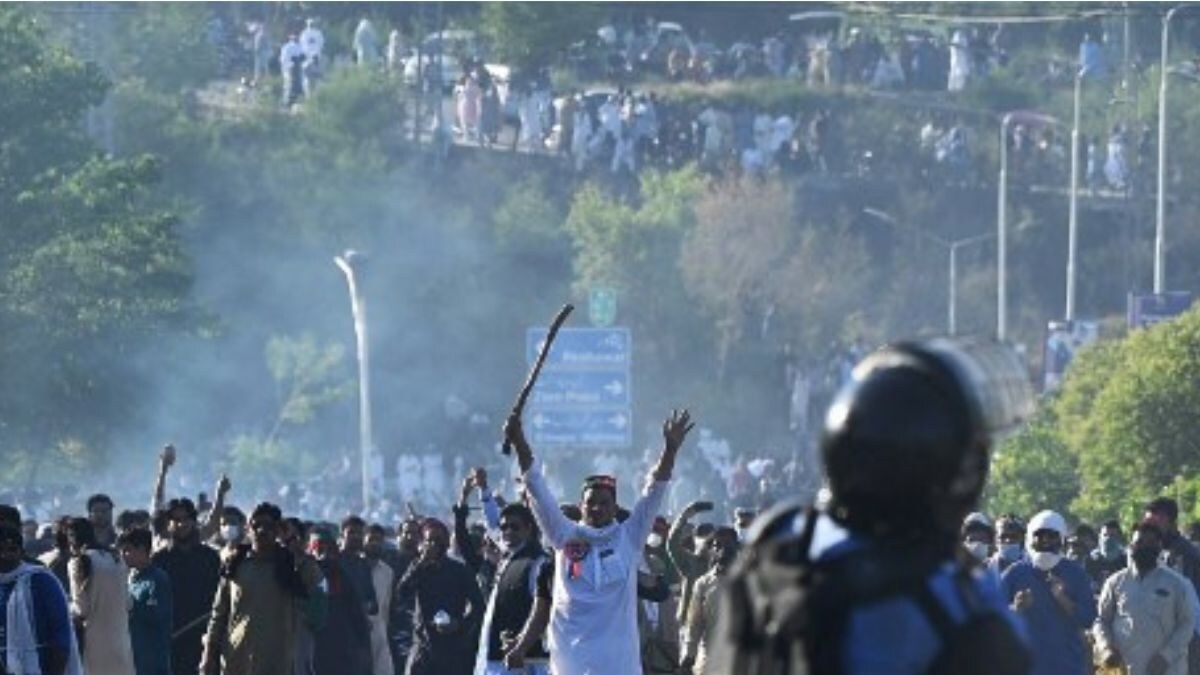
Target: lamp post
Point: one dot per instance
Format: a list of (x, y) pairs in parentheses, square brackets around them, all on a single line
[(1160, 210), (952, 247), (1073, 202), (351, 262), (1002, 216)]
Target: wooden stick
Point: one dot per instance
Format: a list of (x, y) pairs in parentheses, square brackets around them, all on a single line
[(531, 380)]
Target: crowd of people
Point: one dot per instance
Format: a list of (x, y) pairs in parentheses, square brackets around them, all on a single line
[(563, 580), (1098, 598)]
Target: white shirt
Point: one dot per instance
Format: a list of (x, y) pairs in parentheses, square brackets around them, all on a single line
[(291, 49), (313, 41), (593, 618)]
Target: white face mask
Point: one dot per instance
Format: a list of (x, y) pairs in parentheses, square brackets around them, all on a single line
[(978, 549), (654, 540), (231, 532), (1044, 560)]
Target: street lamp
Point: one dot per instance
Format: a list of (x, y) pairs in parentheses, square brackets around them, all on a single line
[(952, 247), (1026, 117), (1073, 202), (1160, 210), (350, 263)]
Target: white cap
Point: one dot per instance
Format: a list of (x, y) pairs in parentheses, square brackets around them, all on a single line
[(1046, 520)]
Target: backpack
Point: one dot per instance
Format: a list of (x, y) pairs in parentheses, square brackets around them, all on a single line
[(785, 614)]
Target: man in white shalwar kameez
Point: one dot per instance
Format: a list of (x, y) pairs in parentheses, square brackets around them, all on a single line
[(593, 618)]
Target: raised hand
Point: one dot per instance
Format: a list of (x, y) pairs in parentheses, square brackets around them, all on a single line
[(514, 433), (676, 428)]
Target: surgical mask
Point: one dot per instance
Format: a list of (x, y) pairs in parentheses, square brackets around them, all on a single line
[(1010, 552), (1145, 558), (654, 540), (1044, 560), (698, 544), (978, 549), (231, 532)]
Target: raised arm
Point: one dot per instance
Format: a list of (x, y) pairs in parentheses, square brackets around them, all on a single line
[(545, 508), (689, 563), (675, 430), (462, 537), (212, 522), (158, 499)]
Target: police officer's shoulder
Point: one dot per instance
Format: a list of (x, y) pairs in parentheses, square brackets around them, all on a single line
[(782, 520)]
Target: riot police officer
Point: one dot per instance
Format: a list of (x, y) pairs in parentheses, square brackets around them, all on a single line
[(876, 581)]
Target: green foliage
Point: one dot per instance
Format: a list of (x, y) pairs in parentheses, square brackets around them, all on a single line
[(528, 220), (92, 267), (308, 378), (526, 34), (1033, 470), (305, 375), (167, 45)]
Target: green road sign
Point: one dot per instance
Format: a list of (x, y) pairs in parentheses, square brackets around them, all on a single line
[(602, 306)]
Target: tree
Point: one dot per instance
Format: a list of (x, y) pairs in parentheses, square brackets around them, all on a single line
[(1033, 470), (306, 380), (748, 255), (1142, 422), (93, 269), (530, 34)]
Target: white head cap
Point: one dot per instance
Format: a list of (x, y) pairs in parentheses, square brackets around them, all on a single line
[(1046, 520)]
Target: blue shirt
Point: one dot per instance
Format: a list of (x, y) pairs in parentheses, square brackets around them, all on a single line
[(52, 622), (1058, 646), (150, 620), (894, 636)]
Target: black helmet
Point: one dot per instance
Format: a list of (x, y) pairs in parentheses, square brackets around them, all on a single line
[(906, 441)]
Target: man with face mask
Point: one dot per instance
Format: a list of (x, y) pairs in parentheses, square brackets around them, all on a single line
[(448, 607), (1010, 544), (702, 614), (1054, 597), (35, 627), (977, 536), (593, 620), (1109, 556), (233, 530), (1146, 613), (195, 570)]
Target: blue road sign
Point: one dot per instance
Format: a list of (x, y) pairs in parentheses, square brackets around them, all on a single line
[(582, 398), (1147, 309), (582, 347), (582, 387), (593, 427)]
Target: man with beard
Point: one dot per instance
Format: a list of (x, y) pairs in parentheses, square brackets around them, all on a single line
[(448, 607), (257, 611), (401, 623), (702, 613), (593, 624), (35, 630), (513, 594), (383, 580), (1146, 615), (195, 570), (100, 512)]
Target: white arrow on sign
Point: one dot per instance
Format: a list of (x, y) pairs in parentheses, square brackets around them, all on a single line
[(614, 388), (618, 421)]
